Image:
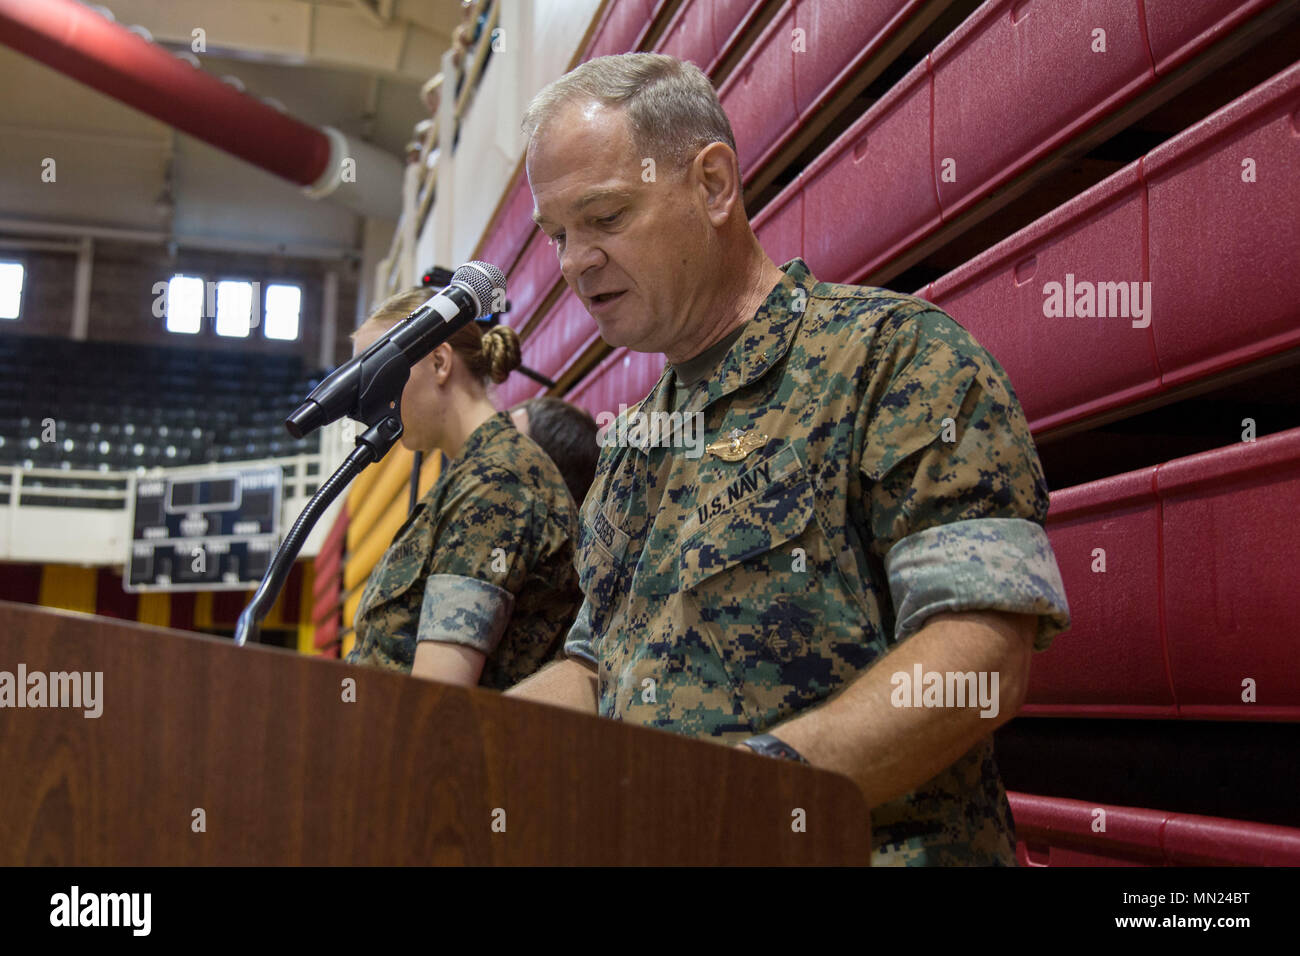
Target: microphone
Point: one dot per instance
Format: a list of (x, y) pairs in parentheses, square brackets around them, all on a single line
[(367, 387)]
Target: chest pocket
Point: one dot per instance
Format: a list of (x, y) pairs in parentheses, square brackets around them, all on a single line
[(758, 581), (747, 530), (748, 520), (749, 576)]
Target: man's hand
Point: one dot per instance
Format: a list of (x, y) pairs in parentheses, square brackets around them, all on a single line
[(889, 750), (565, 683)]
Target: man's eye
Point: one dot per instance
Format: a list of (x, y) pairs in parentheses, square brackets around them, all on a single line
[(557, 238), (608, 220)]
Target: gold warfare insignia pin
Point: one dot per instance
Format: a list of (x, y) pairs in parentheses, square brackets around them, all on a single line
[(736, 445)]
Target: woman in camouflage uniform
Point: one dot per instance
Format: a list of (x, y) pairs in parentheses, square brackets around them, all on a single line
[(478, 586)]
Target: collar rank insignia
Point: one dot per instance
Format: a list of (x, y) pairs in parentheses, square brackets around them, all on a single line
[(736, 445)]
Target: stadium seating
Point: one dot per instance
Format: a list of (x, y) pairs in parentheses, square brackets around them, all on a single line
[(1063, 368), (759, 95), (1150, 222), (624, 377), (1181, 586), (185, 407), (1017, 80), (565, 331), (1176, 30), (1230, 182)]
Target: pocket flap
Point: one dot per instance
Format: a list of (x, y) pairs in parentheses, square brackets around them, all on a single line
[(754, 526)]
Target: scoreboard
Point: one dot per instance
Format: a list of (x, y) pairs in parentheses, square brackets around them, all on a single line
[(214, 530)]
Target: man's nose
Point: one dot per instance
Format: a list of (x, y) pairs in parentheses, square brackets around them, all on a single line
[(578, 257)]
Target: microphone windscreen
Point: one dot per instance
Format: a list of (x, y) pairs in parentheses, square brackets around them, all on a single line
[(485, 281)]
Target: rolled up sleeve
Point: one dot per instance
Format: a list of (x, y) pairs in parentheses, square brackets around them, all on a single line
[(1003, 564), (578, 642), (954, 490), (465, 611)]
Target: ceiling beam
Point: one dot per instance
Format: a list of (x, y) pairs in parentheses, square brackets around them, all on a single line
[(370, 10), (354, 38)]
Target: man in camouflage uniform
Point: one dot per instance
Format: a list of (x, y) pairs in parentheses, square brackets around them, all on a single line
[(484, 561), (870, 502)]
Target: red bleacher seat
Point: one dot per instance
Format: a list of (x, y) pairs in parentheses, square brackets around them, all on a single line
[(1177, 29), (690, 36), (779, 227), (623, 378), (327, 631), (1112, 660), (1198, 592), (1053, 831), (1230, 554), (1212, 841), (561, 336), (776, 87), (624, 26), (1016, 80), (840, 35), (1062, 368), (758, 96), (871, 195), (730, 18), (1204, 318), (1241, 302), (531, 280), (512, 229), (704, 31), (517, 388), (329, 562)]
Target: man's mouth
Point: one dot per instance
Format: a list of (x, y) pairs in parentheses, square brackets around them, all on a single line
[(605, 298)]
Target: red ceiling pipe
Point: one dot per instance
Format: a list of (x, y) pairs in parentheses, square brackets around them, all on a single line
[(78, 42)]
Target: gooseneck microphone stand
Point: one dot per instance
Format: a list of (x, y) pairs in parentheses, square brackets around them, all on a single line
[(372, 445), (382, 378)]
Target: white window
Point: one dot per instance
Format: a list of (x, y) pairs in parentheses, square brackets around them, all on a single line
[(234, 307), (11, 289), (185, 304), (283, 306)]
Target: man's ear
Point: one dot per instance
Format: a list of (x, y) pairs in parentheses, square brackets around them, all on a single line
[(719, 176)]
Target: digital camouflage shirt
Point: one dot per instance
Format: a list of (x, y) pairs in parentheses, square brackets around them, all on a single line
[(869, 466), (485, 560)]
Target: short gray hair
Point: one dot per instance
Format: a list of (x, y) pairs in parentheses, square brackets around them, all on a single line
[(671, 106)]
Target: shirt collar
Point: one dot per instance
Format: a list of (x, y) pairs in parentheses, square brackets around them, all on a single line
[(491, 427), (765, 339)]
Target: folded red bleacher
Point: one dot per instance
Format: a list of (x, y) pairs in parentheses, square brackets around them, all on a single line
[(1053, 831), (1181, 581)]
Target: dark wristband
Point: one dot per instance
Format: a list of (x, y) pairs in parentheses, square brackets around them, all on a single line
[(769, 746)]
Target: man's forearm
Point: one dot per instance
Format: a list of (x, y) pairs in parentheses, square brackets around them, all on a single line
[(562, 684), (889, 750)]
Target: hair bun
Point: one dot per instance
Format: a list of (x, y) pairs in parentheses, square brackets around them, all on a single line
[(501, 351)]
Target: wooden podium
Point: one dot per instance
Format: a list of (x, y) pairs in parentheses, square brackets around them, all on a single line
[(286, 772)]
